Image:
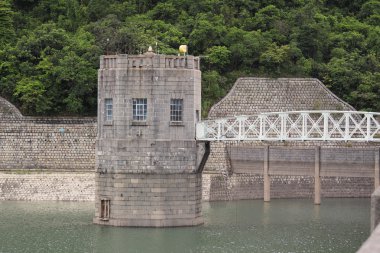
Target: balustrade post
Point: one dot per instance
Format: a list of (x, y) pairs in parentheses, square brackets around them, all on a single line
[(367, 137), (304, 125), (219, 130), (347, 126), (283, 126), (261, 127), (241, 133), (325, 125)]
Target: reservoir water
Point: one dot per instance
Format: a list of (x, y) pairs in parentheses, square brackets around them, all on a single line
[(338, 225)]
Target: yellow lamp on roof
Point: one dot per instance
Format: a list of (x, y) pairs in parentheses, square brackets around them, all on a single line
[(183, 49)]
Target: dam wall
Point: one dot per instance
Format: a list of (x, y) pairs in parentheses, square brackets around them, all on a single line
[(38, 154)]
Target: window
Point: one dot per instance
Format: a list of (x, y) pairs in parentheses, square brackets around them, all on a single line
[(140, 106), (108, 109), (176, 108), (104, 209)]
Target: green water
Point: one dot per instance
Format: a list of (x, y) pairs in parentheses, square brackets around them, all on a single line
[(338, 225)]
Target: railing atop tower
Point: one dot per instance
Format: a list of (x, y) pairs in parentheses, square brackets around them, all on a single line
[(149, 60)]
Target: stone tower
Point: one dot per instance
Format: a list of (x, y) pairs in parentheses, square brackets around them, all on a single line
[(148, 170)]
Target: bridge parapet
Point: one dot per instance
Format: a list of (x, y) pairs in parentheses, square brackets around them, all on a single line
[(294, 126)]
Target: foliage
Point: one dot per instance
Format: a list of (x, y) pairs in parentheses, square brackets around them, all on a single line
[(6, 25), (32, 96), (49, 49)]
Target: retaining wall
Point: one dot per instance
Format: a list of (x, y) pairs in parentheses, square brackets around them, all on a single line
[(293, 163), (73, 186), (46, 158), (47, 144), (245, 186)]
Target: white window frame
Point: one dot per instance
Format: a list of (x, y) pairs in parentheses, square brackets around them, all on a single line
[(108, 109), (140, 109), (176, 110)]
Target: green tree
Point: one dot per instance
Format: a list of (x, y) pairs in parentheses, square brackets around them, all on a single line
[(267, 17), (370, 12), (343, 74), (208, 31), (7, 32), (53, 47), (32, 95), (367, 95), (275, 56), (212, 89), (218, 56), (164, 11), (77, 79)]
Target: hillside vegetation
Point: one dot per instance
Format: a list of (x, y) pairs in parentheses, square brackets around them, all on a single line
[(49, 49)]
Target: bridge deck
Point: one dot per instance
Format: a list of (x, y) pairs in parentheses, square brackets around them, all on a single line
[(294, 126)]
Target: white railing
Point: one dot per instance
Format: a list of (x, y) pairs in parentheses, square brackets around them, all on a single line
[(294, 126)]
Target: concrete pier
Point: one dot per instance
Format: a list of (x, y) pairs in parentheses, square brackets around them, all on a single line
[(317, 177), (266, 175)]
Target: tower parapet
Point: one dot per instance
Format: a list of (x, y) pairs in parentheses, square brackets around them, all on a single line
[(149, 60)]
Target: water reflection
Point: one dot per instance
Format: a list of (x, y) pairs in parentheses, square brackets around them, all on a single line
[(339, 225), (266, 208), (316, 212)]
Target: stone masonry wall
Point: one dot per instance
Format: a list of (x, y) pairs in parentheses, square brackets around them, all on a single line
[(219, 175), (46, 158), (151, 200), (52, 144), (73, 186), (300, 161), (245, 186)]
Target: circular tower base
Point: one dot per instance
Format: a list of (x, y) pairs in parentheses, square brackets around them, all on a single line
[(149, 200)]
